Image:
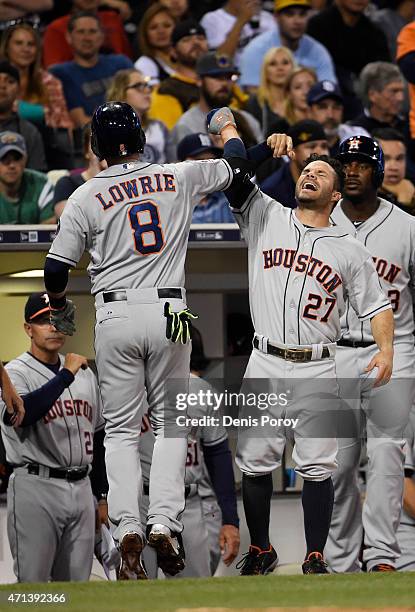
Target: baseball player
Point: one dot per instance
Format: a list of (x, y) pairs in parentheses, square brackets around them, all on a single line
[(209, 529), (14, 403), (301, 270), (389, 234), (50, 509), (406, 529), (134, 220)]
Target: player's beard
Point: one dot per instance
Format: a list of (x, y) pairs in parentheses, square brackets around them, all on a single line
[(218, 100)]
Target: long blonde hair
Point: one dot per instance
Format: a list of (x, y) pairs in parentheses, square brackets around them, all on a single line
[(117, 89), (289, 108), (263, 93), (35, 92)]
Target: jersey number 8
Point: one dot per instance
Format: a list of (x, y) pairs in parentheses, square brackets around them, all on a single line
[(145, 223)]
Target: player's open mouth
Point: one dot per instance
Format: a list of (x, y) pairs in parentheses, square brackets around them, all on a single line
[(309, 186)]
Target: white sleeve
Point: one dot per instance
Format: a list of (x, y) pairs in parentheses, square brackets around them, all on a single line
[(215, 34), (72, 236), (204, 177), (148, 67), (364, 289)]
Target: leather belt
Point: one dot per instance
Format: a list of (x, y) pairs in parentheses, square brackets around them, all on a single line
[(71, 474), (187, 489), (291, 354), (354, 344), (164, 293)]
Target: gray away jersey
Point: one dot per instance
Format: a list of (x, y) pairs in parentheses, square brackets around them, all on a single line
[(210, 435), (389, 235), (134, 220), (300, 279), (64, 437)]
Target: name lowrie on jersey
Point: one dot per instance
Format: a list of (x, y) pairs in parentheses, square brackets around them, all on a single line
[(76, 407), (303, 263), (134, 188)]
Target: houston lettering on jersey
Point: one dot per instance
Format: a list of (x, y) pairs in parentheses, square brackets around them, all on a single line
[(387, 271), (68, 408), (123, 191), (303, 263)]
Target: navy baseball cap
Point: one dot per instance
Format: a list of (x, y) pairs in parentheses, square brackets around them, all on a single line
[(212, 64), (323, 90), (36, 306), (193, 144), (12, 141), (186, 28)]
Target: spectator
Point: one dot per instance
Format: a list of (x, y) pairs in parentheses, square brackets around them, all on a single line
[(41, 96), (56, 46), (406, 60), (230, 28), (395, 187), (213, 208), (23, 11), (133, 87), (67, 184), (216, 84), (382, 91), (392, 19), (10, 121), (25, 195), (308, 137), (269, 102), (326, 107), (154, 39), (180, 90), (178, 8), (291, 18), (352, 40), (86, 78), (298, 85)]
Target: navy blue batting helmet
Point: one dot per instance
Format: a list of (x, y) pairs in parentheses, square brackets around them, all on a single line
[(116, 131), (367, 149)]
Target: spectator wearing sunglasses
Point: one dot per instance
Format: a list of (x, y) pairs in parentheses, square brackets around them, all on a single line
[(133, 87)]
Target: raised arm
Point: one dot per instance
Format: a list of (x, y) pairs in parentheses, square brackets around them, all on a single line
[(221, 122)]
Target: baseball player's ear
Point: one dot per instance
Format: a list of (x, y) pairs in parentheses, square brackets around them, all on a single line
[(28, 330)]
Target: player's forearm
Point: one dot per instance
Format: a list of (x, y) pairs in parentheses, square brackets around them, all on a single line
[(218, 459), (56, 276), (38, 403), (409, 497), (98, 475), (382, 326)]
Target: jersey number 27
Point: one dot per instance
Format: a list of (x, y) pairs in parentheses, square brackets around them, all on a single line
[(145, 222)]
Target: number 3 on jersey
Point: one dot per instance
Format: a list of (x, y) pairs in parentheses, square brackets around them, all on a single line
[(145, 223)]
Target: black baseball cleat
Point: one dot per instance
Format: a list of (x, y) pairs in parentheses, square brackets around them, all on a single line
[(256, 561), (315, 564), (131, 567), (383, 567), (169, 549)]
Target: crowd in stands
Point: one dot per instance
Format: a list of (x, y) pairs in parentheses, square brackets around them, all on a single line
[(319, 70)]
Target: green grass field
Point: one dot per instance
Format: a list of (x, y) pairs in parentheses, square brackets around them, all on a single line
[(373, 591)]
